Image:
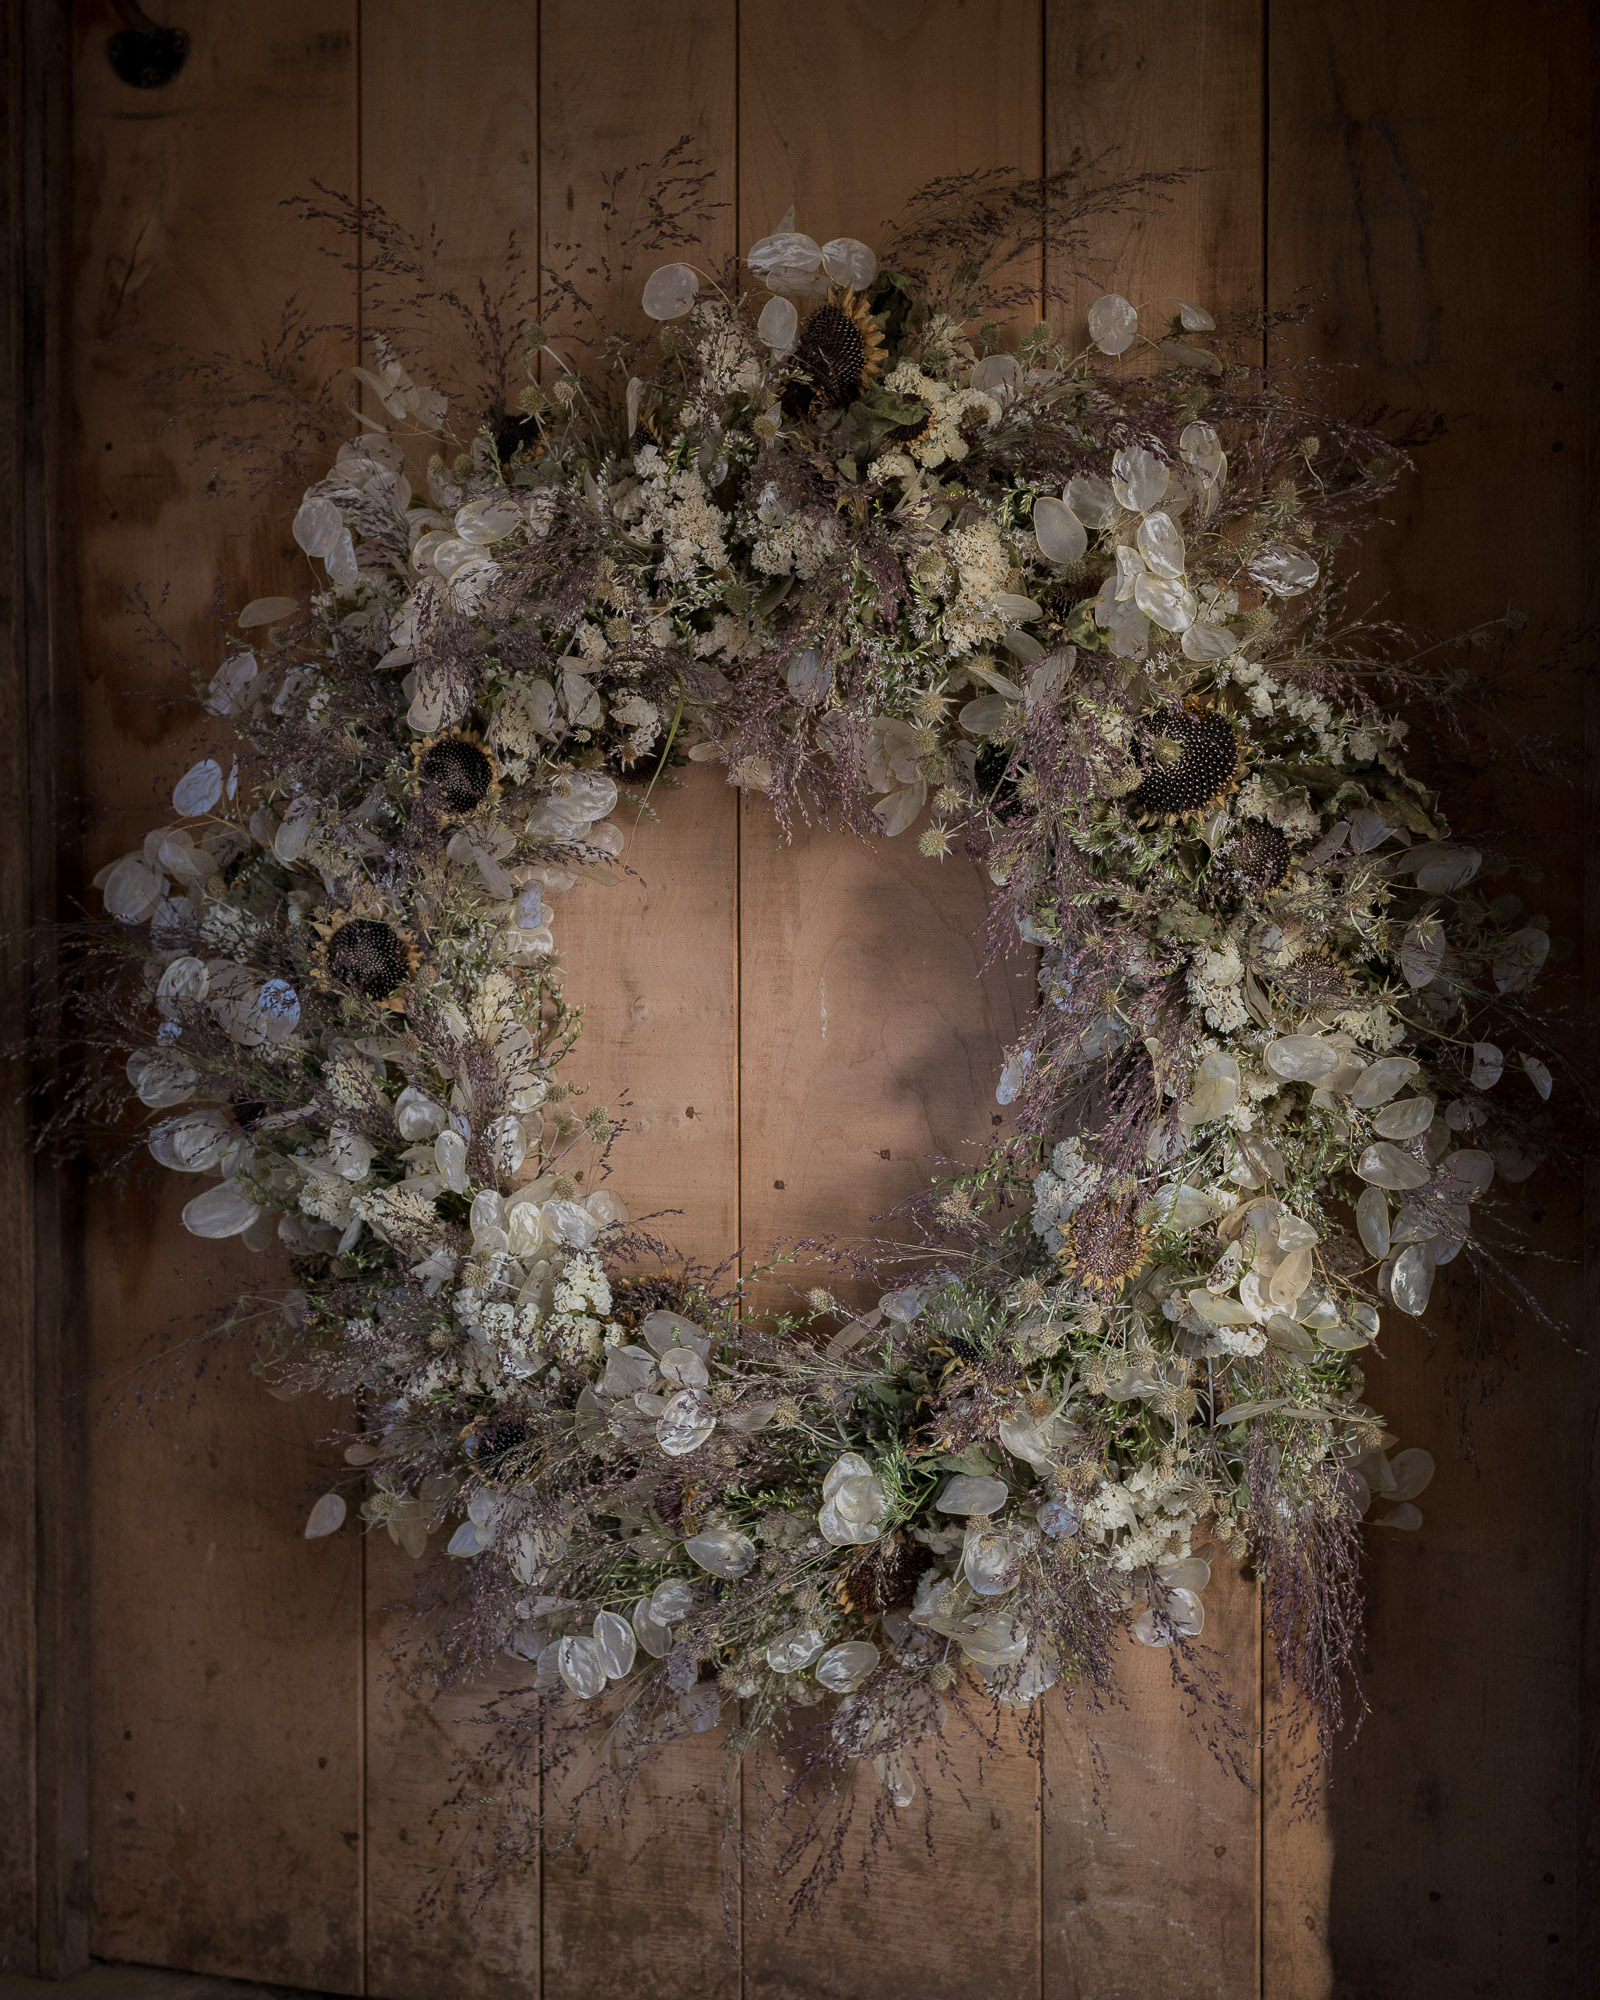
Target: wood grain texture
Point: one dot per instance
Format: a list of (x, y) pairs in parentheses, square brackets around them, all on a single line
[(881, 1933), (818, 1006), (639, 1910), (1455, 1812), (870, 1032), (226, 1650), (1152, 1878), (432, 1931), (652, 958), (449, 145), (1141, 86), (18, 1522), (863, 961), (43, 1536), (1151, 1831), (227, 1808), (846, 106)]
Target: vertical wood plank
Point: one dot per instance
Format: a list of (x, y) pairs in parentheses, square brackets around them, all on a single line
[(1152, 88), (44, 1888), (18, 1522), (870, 1033), (449, 122), (431, 1933), (638, 1910), (1455, 1813), (226, 1804), (1152, 1880), (1152, 1849)]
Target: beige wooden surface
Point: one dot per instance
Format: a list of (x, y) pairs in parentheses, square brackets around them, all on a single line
[(266, 1795), (226, 1687)]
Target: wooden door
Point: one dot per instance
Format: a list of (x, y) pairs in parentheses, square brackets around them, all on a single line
[(803, 1025)]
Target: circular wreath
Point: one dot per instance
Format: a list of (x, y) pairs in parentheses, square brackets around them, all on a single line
[(1073, 617)]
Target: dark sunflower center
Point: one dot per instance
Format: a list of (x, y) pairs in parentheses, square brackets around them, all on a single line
[(886, 1576), (992, 774), (833, 354), (632, 1304), (1261, 854), (458, 771), (496, 1439), (512, 433), (368, 957), (1189, 762), (909, 433)]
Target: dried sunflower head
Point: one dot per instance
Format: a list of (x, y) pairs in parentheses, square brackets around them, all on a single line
[(633, 1301), (1260, 856), (1105, 1243), (1189, 760), (840, 350), (367, 956), (884, 1576), (454, 772), (496, 1445)]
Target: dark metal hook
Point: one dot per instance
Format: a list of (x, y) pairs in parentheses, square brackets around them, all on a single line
[(143, 53)]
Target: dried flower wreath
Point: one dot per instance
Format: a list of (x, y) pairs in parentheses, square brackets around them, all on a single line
[(1073, 616)]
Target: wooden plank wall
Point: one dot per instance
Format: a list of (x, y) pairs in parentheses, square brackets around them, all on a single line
[(43, 1549), (801, 1026)]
